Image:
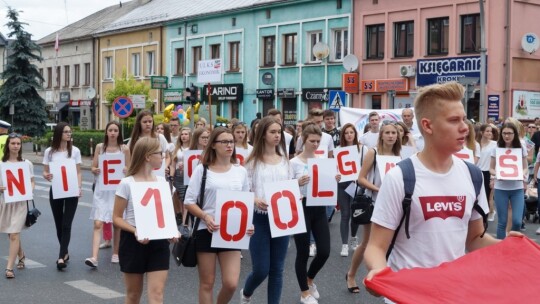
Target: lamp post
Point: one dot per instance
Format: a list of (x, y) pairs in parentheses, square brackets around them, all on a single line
[(483, 63)]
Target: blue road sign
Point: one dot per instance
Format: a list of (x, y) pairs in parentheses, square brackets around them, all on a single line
[(122, 106), (336, 100)]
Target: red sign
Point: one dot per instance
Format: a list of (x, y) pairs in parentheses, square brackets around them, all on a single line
[(385, 85), (350, 83)]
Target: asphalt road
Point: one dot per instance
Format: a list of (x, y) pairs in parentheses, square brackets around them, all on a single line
[(40, 282)]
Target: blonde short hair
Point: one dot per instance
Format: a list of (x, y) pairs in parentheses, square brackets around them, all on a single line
[(430, 98)]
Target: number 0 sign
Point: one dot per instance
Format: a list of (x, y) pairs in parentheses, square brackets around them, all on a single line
[(234, 215), (154, 212), (285, 211)]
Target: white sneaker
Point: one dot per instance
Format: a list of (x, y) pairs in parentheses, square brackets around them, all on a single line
[(91, 262), (312, 250), (344, 250), (308, 300), (115, 259), (491, 216), (313, 291), (353, 243), (243, 298), (538, 231)]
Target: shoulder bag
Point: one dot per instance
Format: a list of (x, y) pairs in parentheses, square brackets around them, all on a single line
[(362, 205)]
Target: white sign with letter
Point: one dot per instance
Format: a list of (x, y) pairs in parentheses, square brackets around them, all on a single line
[(154, 212), (16, 178), (285, 212), (322, 186), (348, 163), (466, 154), (191, 160), (509, 163), (385, 163), (241, 155), (111, 168), (234, 215), (64, 182)]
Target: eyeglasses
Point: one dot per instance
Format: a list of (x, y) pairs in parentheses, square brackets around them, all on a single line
[(205, 137), (14, 135), (531, 127), (507, 133), (158, 152), (225, 142)]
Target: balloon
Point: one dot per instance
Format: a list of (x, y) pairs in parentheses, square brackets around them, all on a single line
[(186, 122), (175, 113), (167, 113), (178, 108), (196, 107), (188, 112), (196, 117)]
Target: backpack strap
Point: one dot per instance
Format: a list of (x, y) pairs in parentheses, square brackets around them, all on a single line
[(409, 180), (478, 179)]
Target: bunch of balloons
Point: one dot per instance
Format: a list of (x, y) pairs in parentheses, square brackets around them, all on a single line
[(183, 116)]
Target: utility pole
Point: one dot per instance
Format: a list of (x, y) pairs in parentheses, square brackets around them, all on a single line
[(483, 64)]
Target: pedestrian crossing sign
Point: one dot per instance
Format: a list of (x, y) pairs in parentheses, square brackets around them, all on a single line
[(336, 100)]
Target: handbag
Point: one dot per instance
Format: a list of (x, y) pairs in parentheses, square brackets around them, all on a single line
[(184, 251), (362, 205), (32, 214)]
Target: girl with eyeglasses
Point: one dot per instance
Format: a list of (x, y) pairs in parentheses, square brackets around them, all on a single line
[(199, 140), (141, 257), (103, 202), (388, 144), (63, 209), (266, 164), (223, 173), (13, 215), (177, 166), (508, 192)]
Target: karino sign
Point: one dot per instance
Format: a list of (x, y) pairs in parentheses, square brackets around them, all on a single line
[(430, 71)]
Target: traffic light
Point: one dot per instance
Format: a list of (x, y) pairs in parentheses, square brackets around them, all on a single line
[(193, 92)]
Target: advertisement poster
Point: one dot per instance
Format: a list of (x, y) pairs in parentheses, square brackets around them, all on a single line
[(525, 104)]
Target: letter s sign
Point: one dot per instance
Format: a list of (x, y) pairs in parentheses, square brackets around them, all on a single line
[(509, 162)]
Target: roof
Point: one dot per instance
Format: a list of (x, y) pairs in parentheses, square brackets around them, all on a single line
[(87, 26), (160, 11), (3, 40)]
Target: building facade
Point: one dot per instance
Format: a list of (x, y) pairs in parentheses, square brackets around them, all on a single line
[(407, 44)]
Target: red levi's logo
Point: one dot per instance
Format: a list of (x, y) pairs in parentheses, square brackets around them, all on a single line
[(443, 206)]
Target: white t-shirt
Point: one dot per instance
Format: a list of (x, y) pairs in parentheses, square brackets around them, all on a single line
[(300, 169), (369, 139), (236, 179), (124, 191), (62, 156), (508, 184), (288, 139), (326, 143), (437, 236), (484, 160)]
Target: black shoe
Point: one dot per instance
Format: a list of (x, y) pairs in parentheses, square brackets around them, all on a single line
[(60, 265)]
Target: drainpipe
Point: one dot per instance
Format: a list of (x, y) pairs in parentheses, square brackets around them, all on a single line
[(483, 63), (508, 100)]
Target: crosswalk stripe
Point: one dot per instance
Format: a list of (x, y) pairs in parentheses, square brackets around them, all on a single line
[(95, 289), (29, 264)]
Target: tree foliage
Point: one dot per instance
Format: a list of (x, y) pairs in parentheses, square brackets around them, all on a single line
[(128, 85), (22, 80)]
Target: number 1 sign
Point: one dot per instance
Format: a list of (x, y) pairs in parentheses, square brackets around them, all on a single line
[(154, 212), (234, 215)]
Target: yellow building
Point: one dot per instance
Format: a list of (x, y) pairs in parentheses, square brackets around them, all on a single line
[(138, 52)]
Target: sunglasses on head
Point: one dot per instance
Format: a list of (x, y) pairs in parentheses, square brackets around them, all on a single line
[(389, 122), (220, 124), (14, 135)]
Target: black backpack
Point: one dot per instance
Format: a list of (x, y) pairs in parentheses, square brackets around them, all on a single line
[(409, 180)]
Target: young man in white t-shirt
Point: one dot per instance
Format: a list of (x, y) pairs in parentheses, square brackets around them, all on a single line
[(371, 137), (437, 234)]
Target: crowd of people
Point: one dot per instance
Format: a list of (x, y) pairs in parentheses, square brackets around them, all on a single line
[(279, 153)]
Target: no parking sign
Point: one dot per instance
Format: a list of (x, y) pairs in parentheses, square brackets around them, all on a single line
[(122, 106)]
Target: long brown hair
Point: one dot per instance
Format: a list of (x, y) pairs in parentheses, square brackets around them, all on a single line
[(5, 157), (404, 138), (136, 133), (195, 138), (258, 140), (342, 141), (142, 148), (396, 148), (119, 139), (241, 125), (209, 155), (57, 139)]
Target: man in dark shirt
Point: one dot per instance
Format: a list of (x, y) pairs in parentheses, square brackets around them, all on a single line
[(329, 119)]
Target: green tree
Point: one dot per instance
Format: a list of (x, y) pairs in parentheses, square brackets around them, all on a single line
[(22, 79), (128, 85)]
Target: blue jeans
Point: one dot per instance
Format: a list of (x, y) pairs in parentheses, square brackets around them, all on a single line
[(268, 259), (517, 201)]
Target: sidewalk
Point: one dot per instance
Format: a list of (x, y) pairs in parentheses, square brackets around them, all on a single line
[(37, 158)]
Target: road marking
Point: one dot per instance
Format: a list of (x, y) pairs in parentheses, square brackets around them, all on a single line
[(94, 289), (30, 264), (83, 204)]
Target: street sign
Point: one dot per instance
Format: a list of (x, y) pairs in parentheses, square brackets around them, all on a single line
[(139, 101), (350, 83), (122, 106), (173, 95), (159, 82), (336, 100), (209, 71)]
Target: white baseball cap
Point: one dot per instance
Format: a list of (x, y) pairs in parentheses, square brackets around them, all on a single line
[(4, 124)]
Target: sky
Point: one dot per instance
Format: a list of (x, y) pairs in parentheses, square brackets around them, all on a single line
[(48, 16)]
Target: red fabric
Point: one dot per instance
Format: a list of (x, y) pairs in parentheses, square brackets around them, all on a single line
[(507, 272)]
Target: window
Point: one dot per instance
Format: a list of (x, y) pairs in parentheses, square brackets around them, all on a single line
[(41, 80), (340, 44), (290, 48), (470, 33), (375, 41), (87, 74), (66, 76), (49, 78), (438, 36), (136, 64), (76, 75), (179, 69), (197, 55), (150, 63), (214, 51), (269, 56), (313, 38), (404, 39), (108, 68), (57, 77), (234, 52)]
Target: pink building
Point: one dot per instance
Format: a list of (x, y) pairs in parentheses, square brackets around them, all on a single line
[(405, 44)]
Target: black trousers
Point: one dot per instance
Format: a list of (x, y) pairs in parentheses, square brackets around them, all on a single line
[(63, 211), (316, 223)]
